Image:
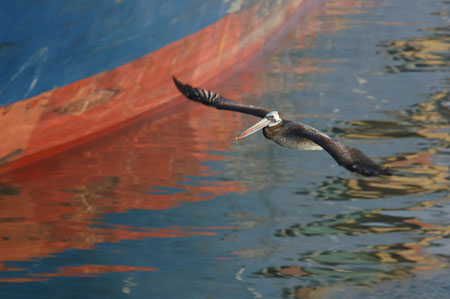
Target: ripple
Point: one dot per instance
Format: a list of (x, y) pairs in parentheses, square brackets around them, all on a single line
[(418, 54)]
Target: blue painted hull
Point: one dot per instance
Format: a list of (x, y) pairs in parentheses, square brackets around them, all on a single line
[(44, 45)]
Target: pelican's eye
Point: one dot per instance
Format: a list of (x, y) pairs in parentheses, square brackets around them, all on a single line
[(274, 118)]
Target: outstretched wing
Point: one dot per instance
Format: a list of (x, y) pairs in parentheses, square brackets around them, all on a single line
[(349, 157), (213, 99)]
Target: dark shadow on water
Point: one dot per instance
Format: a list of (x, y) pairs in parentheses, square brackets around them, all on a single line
[(7, 189)]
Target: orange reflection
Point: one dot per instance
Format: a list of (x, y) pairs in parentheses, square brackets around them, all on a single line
[(58, 199), (79, 271), (22, 279), (92, 270)]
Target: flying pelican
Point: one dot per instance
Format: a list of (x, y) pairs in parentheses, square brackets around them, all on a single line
[(286, 132)]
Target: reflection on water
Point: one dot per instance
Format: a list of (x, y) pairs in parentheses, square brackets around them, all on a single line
[(8, 189), (53, 205), (372, 263), (419, 54), (359, 223), (172, 199)]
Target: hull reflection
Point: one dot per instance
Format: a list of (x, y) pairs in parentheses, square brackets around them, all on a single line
[(54, 205)]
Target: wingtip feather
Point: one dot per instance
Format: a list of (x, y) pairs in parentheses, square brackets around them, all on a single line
[(181, 87)]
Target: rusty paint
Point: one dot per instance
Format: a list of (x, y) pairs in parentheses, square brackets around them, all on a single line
[(10, 156)]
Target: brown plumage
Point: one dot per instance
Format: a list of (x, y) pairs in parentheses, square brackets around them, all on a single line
[(288, 133)]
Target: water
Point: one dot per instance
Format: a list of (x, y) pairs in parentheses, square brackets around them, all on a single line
[(172, 207)]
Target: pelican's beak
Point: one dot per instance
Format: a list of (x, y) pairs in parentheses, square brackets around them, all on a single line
[(255, 128)]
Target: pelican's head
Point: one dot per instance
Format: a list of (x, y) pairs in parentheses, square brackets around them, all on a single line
[(271, 119)]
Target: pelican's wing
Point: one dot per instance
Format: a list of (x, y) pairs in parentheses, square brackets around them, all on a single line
[(213, 99), (350, 158)]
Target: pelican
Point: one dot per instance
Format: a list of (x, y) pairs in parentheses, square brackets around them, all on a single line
[(287, 133)]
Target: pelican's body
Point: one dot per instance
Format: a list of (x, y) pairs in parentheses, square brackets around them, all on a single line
[(287, 133), (282, 135)]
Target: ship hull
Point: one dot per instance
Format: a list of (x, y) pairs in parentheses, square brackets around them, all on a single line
[(61, 117)]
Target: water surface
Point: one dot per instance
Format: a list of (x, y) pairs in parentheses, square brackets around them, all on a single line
[(172, 207)]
